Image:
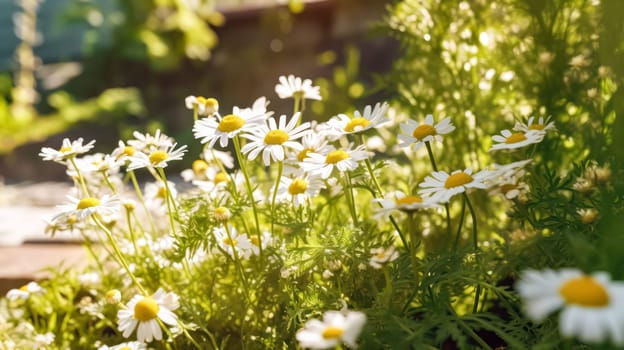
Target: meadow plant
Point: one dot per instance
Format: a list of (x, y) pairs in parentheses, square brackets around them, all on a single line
[(323, 243)]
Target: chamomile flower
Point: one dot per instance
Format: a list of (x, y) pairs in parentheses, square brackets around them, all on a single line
[(157, 157), (69, 149), (507, 179), (123, 151), (541, 125), (370, 118), (415, 134), (25, 291), (267, 241), (84, 207), (587, 215), (441, 186), (198, 171), (145, 312), (337, 327), (312, 142), (399, 201), (381, 256), (291, 87), (223, 128), (147, 143), (272, 139), (509, 140), (205, 106), (233, 241), (341, 159), (591, 305), (299, 188)]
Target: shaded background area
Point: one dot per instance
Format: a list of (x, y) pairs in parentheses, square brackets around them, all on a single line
[(87, 49)]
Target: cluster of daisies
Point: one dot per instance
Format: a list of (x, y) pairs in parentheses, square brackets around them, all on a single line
[(309, 158)]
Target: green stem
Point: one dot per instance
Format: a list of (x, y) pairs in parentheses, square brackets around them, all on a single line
[(195, 112), (139, 194), (120, 256), (349, 196), (81, 179), (169, 199), (280, 170), (474, 222), (241, 163), (482, 343), (446, 205), (238, 261), (460, 225)]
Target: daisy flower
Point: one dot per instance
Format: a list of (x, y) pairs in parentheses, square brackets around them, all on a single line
[(295, 87), (335, 328), (399, 201), (381, 256), (591, 305), (234, 241), (273, 138), (507, 179), (145, 312), (69, 149), (441, 186), (588, 215), (209, 130), (267, 241), (156, 158), (509, 140), (416, 134), (147, 143), (25, 291), (341, 159), (541, 125), (205, 106), (299, 188), (312, 142), (198, 171), (370, 118), (123, 151), (87, 206), (212, 155)]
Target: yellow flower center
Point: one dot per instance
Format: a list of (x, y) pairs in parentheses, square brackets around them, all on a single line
[(254, 240), (146, 309), (208, 102), (584, 291), (199, 166), (230, 123), (24, 288), (276, 137), (158, 156), (124, 348), (222, 213), (72, 219), (297, 186), (332, 333), (220, 177), (336, 156), (304, 154), (65, 149), (228, 241), (508, 187), (87, 202), (424, 130), (458, 179), (354, 123), (128, 150), (162, 192), (407, 200), (381, 254), (515, 137), (537, 127)]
